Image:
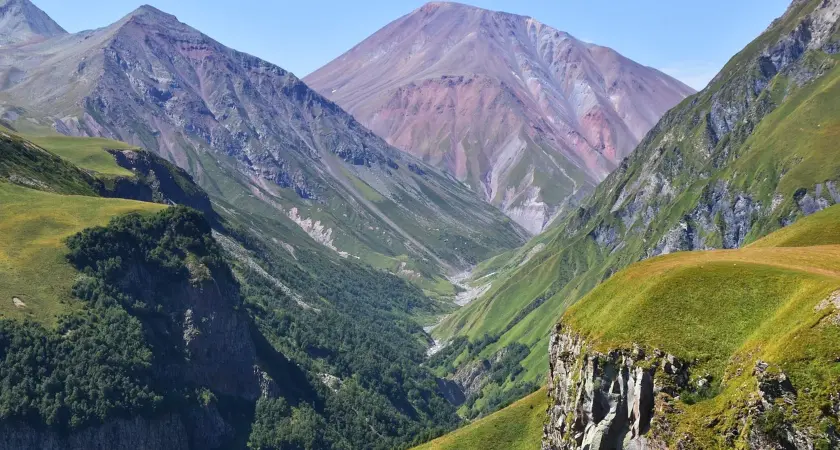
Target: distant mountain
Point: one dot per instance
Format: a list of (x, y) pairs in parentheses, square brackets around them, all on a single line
[(530, 117), (21, 21), (256, 138)]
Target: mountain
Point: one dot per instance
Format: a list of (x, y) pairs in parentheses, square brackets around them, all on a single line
[(528, 116), (723, 349), (260, 142), (214, 337), (22, 22), (753, 152)]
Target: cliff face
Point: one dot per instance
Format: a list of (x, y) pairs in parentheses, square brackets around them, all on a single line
[(606, 401), (631, 399), (157, 180)]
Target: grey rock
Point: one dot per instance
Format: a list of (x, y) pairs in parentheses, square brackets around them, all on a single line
[(603, 401)]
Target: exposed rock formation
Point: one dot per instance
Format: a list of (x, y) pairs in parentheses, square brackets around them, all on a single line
[(625, 399), (605, 401), (157, 181)]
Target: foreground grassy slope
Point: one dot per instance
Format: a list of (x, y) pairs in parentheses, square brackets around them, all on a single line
[(517, 427), (771, 150), (724, 310), (33, 265)]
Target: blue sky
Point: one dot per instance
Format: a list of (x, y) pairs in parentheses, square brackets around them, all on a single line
[(689, 39)]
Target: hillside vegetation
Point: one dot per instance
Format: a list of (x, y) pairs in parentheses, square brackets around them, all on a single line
[(755, 151), (88, 153), (723, 312), (517, 427), (33, 228), (313, 315)]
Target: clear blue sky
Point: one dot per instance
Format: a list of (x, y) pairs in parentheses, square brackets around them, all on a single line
[(689, 39)]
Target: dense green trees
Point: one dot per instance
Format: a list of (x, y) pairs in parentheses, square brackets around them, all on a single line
[(354, 377)]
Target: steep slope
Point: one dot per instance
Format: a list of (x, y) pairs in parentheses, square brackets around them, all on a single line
[(528, 116), (713, 349), (256, 138), (753, 152), (197, 323), (517, 427), (22, 22)]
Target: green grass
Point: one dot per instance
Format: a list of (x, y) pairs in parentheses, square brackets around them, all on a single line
[(517, 427), (33, 227), (789, 146), (725, 309), (820, 229), (87, 153), (365, 189)]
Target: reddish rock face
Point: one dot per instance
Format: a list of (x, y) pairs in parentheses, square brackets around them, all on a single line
[(527, 115)]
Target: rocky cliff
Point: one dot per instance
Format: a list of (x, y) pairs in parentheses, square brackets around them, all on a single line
[(632, 398), (606, 401), (157, 180), (195, 372)]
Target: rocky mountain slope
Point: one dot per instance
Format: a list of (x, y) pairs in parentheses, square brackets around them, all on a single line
[(22, 22), (753, 152), (256, 138), (529, 117)]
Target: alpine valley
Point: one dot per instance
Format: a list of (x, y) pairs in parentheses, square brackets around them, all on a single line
[(511, 239)]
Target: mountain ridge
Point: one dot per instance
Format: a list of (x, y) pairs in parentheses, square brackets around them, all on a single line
[(22, 22), (528, 116), (253, 135), (751, 153)]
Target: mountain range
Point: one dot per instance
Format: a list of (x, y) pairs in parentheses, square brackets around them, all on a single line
[(529, 117), (197, 250), (253, 135)]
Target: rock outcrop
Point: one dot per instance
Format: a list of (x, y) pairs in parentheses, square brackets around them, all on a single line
[(625, 399), (605, 401), (157, 180)]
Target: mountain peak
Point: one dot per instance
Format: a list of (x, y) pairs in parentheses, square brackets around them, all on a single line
[(149, 12), (465, 88), (22, 22), (433, 7)]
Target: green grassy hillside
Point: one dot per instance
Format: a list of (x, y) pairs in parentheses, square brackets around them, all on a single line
[(329, 315), (755, 151), (517, 427), (724, 310), (720, 309), (33, 264)]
